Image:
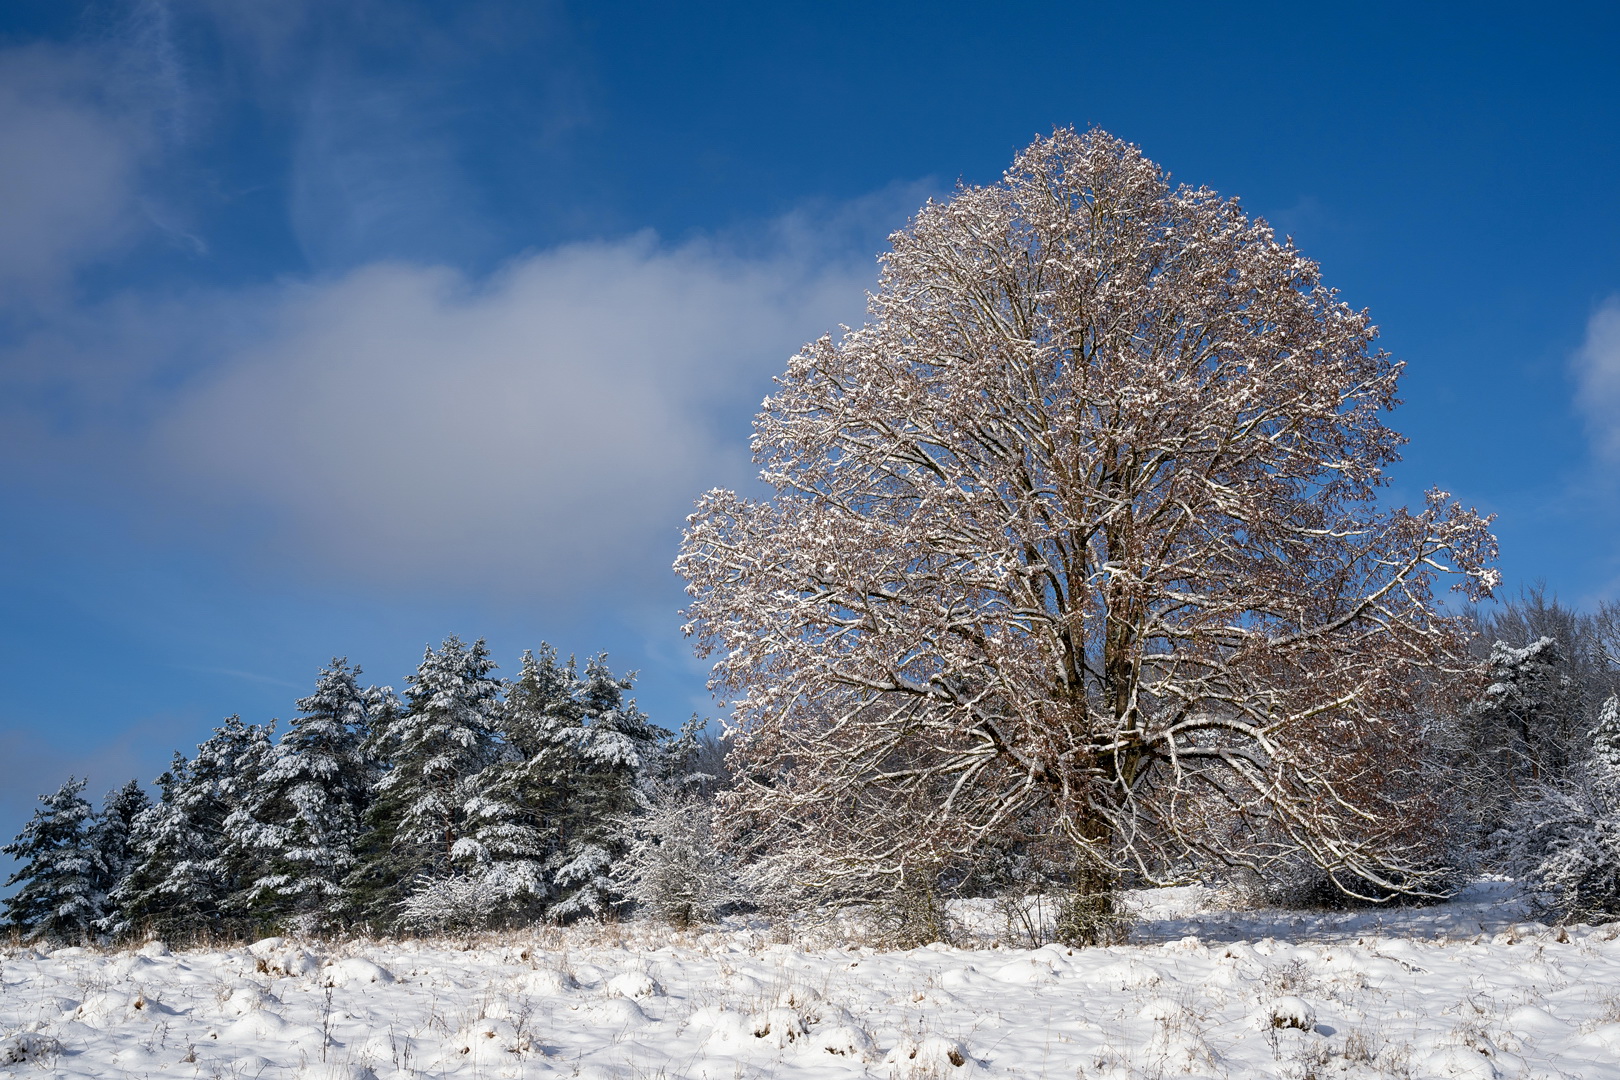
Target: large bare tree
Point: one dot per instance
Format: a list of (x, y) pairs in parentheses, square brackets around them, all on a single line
[(1081, 528)]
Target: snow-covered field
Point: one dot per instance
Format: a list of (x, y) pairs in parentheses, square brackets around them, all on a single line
[(1459, 990)]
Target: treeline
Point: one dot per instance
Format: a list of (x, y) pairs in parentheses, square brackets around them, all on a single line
[(469, 800), (472, 801)]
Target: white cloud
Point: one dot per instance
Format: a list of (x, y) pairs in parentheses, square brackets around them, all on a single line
[(1597, 371), (66, 168), (542, 432), (538, 432)]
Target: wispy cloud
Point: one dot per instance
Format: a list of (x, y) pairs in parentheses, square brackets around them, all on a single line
[(375, 174), (67, 194), (245, 676), (1597, 372)]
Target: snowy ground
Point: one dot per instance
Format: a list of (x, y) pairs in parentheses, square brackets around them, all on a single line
[(1459, 990)]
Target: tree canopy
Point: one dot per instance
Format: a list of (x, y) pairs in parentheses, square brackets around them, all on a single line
[(1081, 528)]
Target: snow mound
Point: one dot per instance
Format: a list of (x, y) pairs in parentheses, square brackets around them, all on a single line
[(264, 1026), (273, 956), (489, 1041), (618, 1012), (844, 1040), (1288, 1012), (247, 999), (929, 1057), (1034, 969), (1461, 1062), (725, 1027), (780, 1027), (354, 972), (546, 981), (113, 1007), (28, 1047), (634, 984)]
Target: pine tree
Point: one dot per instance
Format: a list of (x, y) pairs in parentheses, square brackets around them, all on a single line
[(111, 836), (1605, 756), (1564, 841), (193, 855), (434, 748), (137, 901), (232, 766), (61, 898), (1529, 703), (615, 747), (306, 814), (516, 811), (376, 887)]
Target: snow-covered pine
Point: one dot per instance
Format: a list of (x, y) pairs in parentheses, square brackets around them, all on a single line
[(1605, 751), (615, 748), (111, 834), (1528, 712), (233, 764), (373, 891), (1563, 840), (692, 759), (432, 749), (516, 812), (190, 870), (61, 896), (137, 901), (305, 816)]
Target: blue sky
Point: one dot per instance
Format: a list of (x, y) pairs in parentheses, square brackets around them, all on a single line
[(333, 328)]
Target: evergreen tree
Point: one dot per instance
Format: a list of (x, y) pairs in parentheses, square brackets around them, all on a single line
[(137, 900), (111, 836), (1564, 841), (61, 897), (1605, 755), (193, 855), (1529, 707), (515, 814), (433, 748), (690, 761), (376, 887), (614, 747), (305, 815), (233, 766)]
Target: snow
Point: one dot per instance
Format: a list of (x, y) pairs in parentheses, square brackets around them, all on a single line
[(1464, 989)]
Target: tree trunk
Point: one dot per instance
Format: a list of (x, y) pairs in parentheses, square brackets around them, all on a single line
[(1090, 913)]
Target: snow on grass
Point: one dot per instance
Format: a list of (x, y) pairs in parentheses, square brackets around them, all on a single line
[(1456, 990)]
